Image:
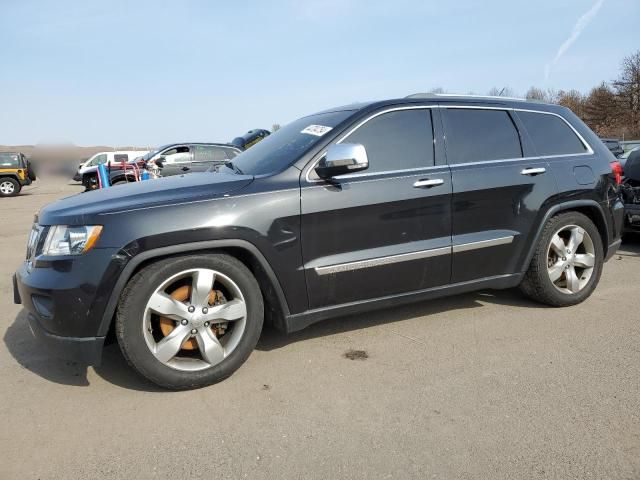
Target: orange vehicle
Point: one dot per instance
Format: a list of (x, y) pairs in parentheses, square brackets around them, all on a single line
[(15, 172)]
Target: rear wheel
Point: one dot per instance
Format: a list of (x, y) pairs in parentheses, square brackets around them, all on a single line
[(9, 187), (191, 321), (567, 263)]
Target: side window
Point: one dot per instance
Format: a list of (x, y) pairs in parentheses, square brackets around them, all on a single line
[(397, 140), (231, 153), (551, 135), (209, 153), (476, 135), (177, 155), (100, 159)]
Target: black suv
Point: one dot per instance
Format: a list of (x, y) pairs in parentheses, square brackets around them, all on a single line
[(354, 208)]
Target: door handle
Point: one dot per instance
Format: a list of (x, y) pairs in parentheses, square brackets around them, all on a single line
[(533, 171), (428, 183), (185, 168)]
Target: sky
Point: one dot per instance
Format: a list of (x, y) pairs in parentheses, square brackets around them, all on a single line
[(114, 72)]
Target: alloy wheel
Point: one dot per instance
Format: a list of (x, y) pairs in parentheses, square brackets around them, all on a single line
[(570, 259), (194, 319), (7, 188)]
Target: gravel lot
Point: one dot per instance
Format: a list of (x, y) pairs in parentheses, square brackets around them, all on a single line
[(479, 386)]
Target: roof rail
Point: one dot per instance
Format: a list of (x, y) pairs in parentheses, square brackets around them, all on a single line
[(459, 95)]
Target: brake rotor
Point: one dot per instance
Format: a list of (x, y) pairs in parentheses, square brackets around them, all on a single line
[(183, 294)]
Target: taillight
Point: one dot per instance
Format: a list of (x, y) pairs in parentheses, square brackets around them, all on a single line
[(616, 168)]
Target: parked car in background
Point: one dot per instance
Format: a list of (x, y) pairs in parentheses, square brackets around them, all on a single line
[(250, 138), (613, 145), (15, 172), (351, 209), (628, 145), (623, 158), (631, 191), (180, 158), (108, 158), (123, 169)]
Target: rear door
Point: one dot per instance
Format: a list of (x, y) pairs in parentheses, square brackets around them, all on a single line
[(385, 230), (499, 187)]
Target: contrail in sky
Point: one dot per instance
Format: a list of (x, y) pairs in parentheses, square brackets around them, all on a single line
[(580, 25)]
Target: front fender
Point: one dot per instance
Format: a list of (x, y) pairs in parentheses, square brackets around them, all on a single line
[(131, 263)]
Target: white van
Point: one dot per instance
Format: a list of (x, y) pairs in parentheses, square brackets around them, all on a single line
[(109, 159)]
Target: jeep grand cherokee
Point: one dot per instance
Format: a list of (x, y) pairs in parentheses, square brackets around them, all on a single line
[(354, 208)]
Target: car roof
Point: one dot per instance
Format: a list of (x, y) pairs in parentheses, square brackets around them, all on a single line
[(454, 99)]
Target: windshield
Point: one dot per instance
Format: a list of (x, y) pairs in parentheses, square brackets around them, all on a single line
[(152, 153), (9, 160), (282, 148)]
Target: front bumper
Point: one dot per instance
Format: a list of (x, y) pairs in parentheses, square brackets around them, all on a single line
[(85, 350), (65, 300)]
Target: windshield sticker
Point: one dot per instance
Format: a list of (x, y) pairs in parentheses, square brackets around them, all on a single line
[(317, 130)]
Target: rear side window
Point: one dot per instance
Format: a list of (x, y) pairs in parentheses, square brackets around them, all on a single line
[(210, 153), (397, 140), (476, 135), (551, 135)]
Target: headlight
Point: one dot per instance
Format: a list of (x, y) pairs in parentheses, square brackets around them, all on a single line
[(66, 240)]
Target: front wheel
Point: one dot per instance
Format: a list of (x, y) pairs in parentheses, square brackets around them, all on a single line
[(567, 262), (187, 322)]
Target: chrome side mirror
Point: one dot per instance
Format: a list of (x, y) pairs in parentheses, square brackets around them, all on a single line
[(342, 158)]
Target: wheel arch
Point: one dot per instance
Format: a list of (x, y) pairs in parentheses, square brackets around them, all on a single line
[(589, 208), (10, 175), (276, 307)]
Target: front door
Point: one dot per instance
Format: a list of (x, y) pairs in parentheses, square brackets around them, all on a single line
[(499, 187), (385, 230), (177, 160)]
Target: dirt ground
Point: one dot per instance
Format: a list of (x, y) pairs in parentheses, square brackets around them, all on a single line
[(486, 385)]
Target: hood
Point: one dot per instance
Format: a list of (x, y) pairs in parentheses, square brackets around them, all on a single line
[(82, 208)]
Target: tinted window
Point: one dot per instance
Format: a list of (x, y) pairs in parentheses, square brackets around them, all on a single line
[(475, 135), (397, 140), (550, 134)]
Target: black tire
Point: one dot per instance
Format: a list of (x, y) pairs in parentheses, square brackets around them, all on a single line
[(14, 183), (537, 284), (130, 313)]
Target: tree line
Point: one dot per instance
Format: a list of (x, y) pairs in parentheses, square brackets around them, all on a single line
[(611, 109)]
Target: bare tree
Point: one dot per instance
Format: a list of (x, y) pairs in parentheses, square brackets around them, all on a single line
[(573, 100), (627, 88), (535, 93), (275, 127), (600, 111), (501, 92)]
